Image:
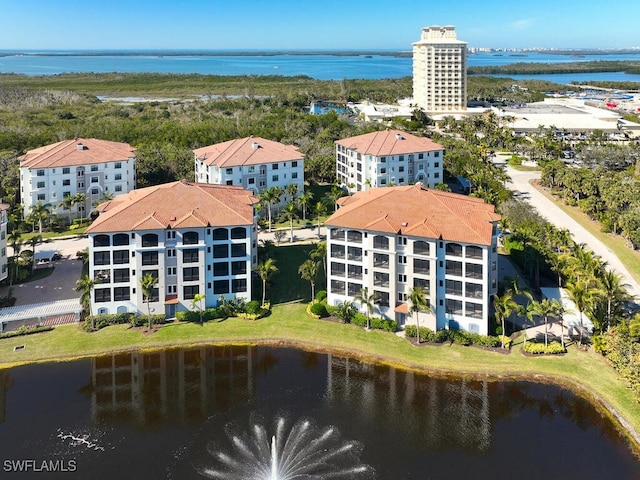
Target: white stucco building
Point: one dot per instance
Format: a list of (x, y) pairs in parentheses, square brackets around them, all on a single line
[(253, 163), (391, 240), (83, 165), (4, 258), (388, 157), (194, 238), (440, 70)]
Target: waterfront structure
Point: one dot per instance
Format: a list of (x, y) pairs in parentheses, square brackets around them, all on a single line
[(388, 157), (440, 70), (90, 166), (391, 240), (193, 238), (253, 163), (4, 258)]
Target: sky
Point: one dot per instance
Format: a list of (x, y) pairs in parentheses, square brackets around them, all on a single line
[(311, 24)]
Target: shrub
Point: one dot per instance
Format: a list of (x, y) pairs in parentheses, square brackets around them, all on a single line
[(24, 330), (461, 337), (319, 309), (253, 307), (321, 296), (102, 321), (375, 323), (536, 348)]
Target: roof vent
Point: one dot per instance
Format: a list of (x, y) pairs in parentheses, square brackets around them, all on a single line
[(81, 146), (405, 224), (255, 145), (399, 137), (172, 219)]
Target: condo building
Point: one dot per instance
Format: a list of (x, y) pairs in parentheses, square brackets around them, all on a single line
[(440, 70), (253, 163), (83, 165), (391, 240), (4, 258), (193, 238), (388, 157)]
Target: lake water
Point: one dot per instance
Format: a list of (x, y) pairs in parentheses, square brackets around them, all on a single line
[(323, 67), (171, 414)]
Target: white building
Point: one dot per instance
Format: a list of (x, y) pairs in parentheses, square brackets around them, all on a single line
[(194, 238), (83, 165), (386, 158), (440, 70), (4, 258), (391, 240), (253, 163)]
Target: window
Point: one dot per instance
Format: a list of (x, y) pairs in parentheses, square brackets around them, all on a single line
[(118, 165), (338, 287), (40, 173), (171, 252), (454, 287), (381, 279), (66, 170), (153, 273), (354, 236), (190, 238), (453, 268), (229, 171), (420, 156), (473, 290), (94, 179), (454, 249), (294, 164), (239, 285), (220, 251), (102, 276), (380, 260), (120, 257), (239, 250), (421, 266), (337, 234), (251, 181), (172, 271), (190, 255), (454, 307), (121, 293), (473, 310), (190, 291), (421, 248), (354, 253), (355, 271), (238, 233), (381, 242), (421, 282), (294, 175), (117, 188), (101, 241), (102, 294), (353, 289), (220, 286), (94, 191), (41, 197), (120, 239), (150, 240), (275, 166), (238, 268), (101, 258), (337, 251), (220, 269), (383, 298), (337, 269), (94, 168), (120, 275), (191, 274), (149, 258), (118, 176), (274, 178), (220, 234), (383, 170), (473, 270), (40, 185)]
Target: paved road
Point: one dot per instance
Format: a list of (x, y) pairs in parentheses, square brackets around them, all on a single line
[(520, 183)]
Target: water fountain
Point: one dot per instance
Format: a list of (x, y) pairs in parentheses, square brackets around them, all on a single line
[(299, 451)]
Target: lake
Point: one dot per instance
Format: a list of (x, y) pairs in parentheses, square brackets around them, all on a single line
[(320, 66), (219, 412)]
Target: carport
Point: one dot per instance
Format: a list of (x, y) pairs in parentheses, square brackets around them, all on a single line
[(48, 313)]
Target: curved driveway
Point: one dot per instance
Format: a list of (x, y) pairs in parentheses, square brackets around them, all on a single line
[(520, 184)]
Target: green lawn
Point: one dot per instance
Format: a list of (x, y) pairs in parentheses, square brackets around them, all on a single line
[(586, 372)]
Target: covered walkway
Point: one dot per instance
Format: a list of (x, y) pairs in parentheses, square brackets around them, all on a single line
[(47, 313)]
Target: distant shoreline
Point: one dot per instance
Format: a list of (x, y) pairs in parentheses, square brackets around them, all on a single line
[(203, 53)]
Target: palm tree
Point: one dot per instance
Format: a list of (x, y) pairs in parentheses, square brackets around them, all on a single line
[(85, 286), (418, 303), (504, 306), (292, 190), (15, 240), (303, 201), (40, 212), (321, 210), (80, 199), (545, 309), (290, 212), (320, 253), (67, 203), (367, 301), (147, 284), (335, 193), (345, 311), (308, 271), (265, 270), (269, 197), (559, 313), (196, 302), (613, 290), (581, 294)]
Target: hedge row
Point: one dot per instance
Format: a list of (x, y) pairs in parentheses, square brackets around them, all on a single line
[(458, 336), (102, 321), (535, 348), (24, 330)]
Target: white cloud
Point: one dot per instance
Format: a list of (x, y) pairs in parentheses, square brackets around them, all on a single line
[(521, 24)]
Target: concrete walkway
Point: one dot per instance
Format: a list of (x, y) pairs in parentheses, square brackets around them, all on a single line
[(521, 185)]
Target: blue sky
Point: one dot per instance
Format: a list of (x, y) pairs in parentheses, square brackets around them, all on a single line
[(310, 24)]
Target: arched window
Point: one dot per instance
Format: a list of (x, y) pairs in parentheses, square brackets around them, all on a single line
[(120, 239), (101, 241), (190, 238), (421, 248), (381, 242), (221, 234), (454, 249), (238, 232), (150, 240)]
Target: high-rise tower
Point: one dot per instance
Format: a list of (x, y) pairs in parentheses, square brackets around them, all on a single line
[(440, 70)]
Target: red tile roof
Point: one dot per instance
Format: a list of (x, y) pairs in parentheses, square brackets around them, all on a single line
[(176, 205), (389, 142), (416, 211), (247, 151), (79, 151)]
